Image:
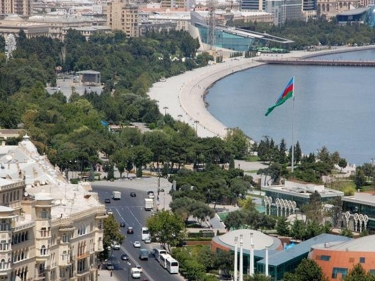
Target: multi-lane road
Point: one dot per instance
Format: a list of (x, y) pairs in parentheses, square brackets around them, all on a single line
[(131, 211)]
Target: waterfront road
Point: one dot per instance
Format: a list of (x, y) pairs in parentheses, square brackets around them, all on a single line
[(131, 211)]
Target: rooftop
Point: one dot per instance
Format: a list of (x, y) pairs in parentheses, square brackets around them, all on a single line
[(363, 244), (260, 240), (361, 197), (278, 258), (303, 190), (45, 181)]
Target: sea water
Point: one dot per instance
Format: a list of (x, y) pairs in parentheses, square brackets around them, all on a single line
[(333, 106)]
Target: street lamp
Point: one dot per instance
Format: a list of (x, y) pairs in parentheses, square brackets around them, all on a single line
[(196, 126), (165, 110), (110, 250)]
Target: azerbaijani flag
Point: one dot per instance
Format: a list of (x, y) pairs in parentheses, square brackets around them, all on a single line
[(288, 93)]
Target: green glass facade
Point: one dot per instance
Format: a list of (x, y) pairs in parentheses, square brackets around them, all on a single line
[(227, 40)]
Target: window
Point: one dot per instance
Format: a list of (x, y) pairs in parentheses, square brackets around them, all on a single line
[(3, 245), (338, 273), (2, 264), (362, 260), (4, 226), (65, 237), (43, 214), (325, 258), (43, 251), (82, 230)]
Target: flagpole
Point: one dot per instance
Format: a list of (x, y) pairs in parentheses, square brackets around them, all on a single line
[(293, 128)]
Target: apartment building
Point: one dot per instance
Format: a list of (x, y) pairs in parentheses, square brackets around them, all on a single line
[(19, 7), (49, 229), (123, 15)]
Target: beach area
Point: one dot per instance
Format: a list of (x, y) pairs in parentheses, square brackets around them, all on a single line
[(182, 96)]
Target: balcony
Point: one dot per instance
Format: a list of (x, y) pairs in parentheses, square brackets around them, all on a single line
[(83, 255), (5, 271), (40, 276), (82, 272)]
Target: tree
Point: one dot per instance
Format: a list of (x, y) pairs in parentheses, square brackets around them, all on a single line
[(297, 230), (360, 178), (238, 142), (342, 163), (336, 212), (314, 209), (166, 227), (224, 261), (142, 155), (307, 270), (282, 227), (206, 257), (357, 273), (111, 232), (235, 219), (282, 152)]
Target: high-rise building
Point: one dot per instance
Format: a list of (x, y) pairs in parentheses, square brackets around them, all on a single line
[(253, 5), (284, 10), (19, 7), (50, 229), (122, 15)]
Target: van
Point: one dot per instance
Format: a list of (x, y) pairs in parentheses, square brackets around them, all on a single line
[(143, 254), (158, 253), (135, 273)]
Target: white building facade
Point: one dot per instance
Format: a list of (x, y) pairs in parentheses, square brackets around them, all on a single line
[(49, 229)]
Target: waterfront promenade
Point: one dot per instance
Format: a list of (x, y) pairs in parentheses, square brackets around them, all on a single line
[(182, 96)]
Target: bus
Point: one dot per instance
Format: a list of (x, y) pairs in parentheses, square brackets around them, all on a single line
[(172, 265), (163, 260), (158, 253), (145, 233)]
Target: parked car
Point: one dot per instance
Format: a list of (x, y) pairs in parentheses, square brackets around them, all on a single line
[(147, 240), (110, 266), (107, 201), (130, 230), (137, 244), (139, 267), (122, 224), (115, 245), (124, 257), (150, 194), (132, 194)]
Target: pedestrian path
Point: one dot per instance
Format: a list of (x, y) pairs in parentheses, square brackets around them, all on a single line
[(107, 275)]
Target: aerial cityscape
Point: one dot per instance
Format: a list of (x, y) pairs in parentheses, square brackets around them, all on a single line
[(114, 167)]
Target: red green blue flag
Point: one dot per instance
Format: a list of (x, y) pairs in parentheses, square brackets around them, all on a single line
[(286, 94)]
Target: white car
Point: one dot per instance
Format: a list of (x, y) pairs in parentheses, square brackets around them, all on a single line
[(151, 194), (147, 240), (137, 244), (139, 267), (115, 246)]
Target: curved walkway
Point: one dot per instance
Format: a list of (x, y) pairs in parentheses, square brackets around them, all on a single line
[(182, 96)]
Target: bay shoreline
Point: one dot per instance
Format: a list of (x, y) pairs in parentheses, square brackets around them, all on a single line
[(183, 96)]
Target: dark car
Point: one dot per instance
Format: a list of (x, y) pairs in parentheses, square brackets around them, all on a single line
[(110, 266), (124, 257), (122, 224), (107, 200), (130, 230), (132, 194)]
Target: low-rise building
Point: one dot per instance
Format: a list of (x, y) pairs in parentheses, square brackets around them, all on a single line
[(284, 200), (50, 229), (359, 212), (337, 259)]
